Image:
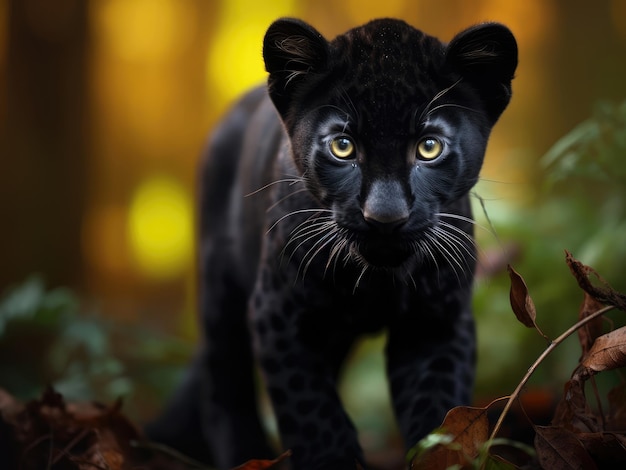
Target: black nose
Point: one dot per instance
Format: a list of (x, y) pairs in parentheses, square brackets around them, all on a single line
[(386, 208), (386, 223)]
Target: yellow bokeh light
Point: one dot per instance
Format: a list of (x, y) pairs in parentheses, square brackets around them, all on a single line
[(144, 30), (235, 61), (160, 228)]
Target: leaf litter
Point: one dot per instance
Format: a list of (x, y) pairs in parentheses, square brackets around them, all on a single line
[(579, 437), (49, 433)]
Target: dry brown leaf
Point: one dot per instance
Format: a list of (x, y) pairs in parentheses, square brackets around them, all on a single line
[(559, 449), (617, 408), (607, 352), (48, 432), (606, 449), (469, 427), (606, 294), (588, 333), (264, 464), (521, 302), (573, 412), (438, 457)]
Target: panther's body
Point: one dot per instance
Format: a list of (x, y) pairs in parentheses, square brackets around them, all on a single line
[(336, 205)]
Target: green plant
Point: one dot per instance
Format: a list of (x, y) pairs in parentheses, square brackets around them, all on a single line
[(580, 435), (45, 338), (578, 202)]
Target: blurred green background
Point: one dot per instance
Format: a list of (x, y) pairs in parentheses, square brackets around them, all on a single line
[(105, 105)]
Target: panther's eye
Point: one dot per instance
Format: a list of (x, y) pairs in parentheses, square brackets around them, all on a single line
[(429, 148), (342, 147)]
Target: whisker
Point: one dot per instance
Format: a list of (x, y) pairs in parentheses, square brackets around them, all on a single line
[(284, 198), (305, 231), (457, 246), (480, 254), (464, 240), (331, 106), (463, 218), (406, 275), (337, 248), (452, 260), (364, 268), (430, 247), (301, 229), (291, 181), (304, 237), (298, 212), (320, 244), (461, 233), (348, 101), (425, 249), (426, 110), (410, 276), (450, 105), (492, 181)]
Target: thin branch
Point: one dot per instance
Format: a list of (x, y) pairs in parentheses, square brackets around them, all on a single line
[(540, 359)]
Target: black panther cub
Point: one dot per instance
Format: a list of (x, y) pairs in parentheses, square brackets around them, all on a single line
[(335, 203)]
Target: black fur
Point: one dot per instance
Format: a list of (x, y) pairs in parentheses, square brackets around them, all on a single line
[(336, 205)]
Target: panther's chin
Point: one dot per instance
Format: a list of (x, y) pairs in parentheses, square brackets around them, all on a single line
[(384, 255)]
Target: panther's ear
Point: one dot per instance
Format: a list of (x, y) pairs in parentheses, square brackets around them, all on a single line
[(486, 56), (291, 50)]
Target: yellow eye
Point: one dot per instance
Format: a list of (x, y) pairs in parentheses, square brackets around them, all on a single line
[(342, 147), (429, 149)]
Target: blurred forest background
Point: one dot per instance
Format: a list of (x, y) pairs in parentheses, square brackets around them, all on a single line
[(105, 106)]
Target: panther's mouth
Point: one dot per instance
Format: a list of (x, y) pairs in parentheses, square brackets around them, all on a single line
[(384, 253)]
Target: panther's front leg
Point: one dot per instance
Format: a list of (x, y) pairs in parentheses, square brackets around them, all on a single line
[(430, 362), (299, 355)]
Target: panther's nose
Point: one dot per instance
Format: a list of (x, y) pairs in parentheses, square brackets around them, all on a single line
[(385, 225), (386, 208)]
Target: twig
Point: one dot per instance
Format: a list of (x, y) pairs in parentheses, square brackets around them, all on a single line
[(539, 360), (65, 451)]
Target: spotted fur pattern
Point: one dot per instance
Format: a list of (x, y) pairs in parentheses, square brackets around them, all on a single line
[(335, 204)]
